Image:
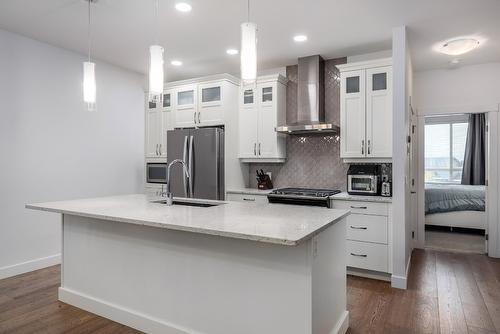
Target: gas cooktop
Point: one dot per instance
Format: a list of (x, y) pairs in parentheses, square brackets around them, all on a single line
[(302, 196)]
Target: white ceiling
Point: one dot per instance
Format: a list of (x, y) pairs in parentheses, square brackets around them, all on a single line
[(123, 29)]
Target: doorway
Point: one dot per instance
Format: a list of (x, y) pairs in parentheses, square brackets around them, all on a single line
[(453, 171)]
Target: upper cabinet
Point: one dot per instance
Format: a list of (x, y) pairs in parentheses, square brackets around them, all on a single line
[(158, 121), (262, 108), (204, 101), (366, 109)]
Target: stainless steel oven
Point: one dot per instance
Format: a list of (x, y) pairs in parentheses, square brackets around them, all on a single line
[(156, 172), (363, 180)]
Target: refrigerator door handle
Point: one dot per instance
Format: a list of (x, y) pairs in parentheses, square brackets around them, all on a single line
[(184, 157), (190, 164)]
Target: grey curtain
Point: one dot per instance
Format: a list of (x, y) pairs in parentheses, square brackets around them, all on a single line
[(475, 151)]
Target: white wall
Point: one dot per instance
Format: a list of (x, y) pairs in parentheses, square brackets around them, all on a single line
[(52, 149), (402, 90), (466, 89)]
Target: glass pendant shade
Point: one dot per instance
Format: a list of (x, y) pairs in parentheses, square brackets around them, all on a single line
[(155, 73), (89, 86), (248, 52)]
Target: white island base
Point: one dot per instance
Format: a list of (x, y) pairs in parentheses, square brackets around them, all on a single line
[(166, 281)]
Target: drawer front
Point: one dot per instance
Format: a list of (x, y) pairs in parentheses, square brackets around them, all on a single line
[(366, 208), (368, 256), (259, 199), (367, 228)]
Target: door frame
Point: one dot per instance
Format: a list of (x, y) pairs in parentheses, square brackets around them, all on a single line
[(492, 198)]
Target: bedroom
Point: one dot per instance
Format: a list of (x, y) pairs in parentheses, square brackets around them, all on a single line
[(454, 175)]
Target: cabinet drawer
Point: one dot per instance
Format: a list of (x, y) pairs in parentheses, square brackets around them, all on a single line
[(260, 199), (368, 256), (367, 228), (366, 208)]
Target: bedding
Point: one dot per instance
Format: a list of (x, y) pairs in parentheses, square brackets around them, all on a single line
[(441, 198)]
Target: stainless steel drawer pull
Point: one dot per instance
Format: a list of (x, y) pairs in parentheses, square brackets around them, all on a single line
[(359, 228), (362, 147), (249, 199), (359, 207), (359, 255), (254, 148), (199, 118)]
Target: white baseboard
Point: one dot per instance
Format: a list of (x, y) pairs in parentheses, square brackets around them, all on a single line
[(369, 274), (401, 282), (122, 315), (343, 325), (24, 267)]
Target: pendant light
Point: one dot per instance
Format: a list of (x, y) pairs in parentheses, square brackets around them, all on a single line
[(89, 86), (156, 72), (248, 50)]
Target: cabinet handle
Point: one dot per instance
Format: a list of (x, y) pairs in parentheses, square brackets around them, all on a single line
[(259, 148), (156, 149), (199, 117), (159, 150), (254, 148), (249, 199), (362, 147), (358, 228), (369, 146), (194, 117), (359, 255), (359, 207)]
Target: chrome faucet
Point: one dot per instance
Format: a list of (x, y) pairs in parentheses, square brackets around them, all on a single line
[(168, 194)]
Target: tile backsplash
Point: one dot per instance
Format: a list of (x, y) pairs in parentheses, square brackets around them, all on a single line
[(312, 161)]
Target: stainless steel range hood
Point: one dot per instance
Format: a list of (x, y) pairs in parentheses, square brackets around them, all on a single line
[(310, 113)]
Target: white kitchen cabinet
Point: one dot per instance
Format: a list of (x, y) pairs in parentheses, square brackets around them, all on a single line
[(247, 198), (158, 121), (186, 109), (366, 110), (210, 104), (262, 109)]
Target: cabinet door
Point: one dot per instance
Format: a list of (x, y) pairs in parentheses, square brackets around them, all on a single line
[(379, 112), (352, 114), (166, 122), (210, 106), (267, 146), (185, 108), (248, 121), (153, 120)]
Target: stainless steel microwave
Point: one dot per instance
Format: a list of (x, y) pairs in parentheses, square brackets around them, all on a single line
[(156, 172), (363, 180)]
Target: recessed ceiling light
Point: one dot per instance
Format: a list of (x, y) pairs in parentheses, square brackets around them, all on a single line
[(183, 7), (232, 52), (458, 46), (176, 62), (300, 38)]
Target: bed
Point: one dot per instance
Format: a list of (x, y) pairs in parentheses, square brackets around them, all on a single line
[(455, 205)]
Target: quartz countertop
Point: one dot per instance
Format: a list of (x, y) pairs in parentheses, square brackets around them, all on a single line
[(249, 191), (271, 223), (344, 196)]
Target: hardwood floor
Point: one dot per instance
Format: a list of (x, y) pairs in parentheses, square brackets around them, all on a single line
[(447, 293)]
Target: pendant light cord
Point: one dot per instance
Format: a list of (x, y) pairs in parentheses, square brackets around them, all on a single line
[(88, 30), (248, 10), (157, 19)]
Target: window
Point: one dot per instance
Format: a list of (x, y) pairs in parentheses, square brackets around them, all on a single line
[(445, 149)]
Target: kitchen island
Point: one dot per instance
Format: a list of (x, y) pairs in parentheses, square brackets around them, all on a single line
[(204, 266)]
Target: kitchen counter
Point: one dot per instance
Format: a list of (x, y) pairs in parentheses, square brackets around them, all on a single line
[(249, 191), (344, 196), (267, 223), (184, 269)]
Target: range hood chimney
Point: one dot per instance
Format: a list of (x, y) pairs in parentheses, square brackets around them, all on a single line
[(310, 114)]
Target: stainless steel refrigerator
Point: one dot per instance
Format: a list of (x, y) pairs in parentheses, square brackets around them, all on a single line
[(203, 151)]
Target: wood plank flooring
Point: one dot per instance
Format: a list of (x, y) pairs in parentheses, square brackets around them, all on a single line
[(447, 293)]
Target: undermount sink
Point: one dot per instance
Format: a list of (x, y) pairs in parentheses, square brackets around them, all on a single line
[(200, 204)]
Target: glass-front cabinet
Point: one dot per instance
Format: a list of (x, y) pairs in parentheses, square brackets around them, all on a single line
[(210, 104), (186, 106)]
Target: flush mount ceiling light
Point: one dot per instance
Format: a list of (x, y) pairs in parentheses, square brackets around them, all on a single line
[(89, 85), (176, 62), (156, 71), (183, 7), (248, 50), (458, 46), (300, 38), (232, 52)]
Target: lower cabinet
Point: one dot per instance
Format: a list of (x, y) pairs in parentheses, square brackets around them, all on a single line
[(247, 198), (369, 226)]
